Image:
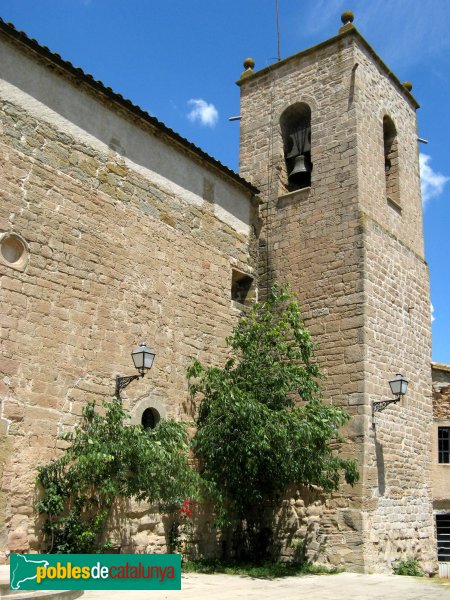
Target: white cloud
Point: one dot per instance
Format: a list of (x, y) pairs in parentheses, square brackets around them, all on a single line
[(203, 112), (432, 183), (432, 313)]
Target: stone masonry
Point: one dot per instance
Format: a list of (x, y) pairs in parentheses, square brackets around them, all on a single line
[(355, 258), (114, 252)]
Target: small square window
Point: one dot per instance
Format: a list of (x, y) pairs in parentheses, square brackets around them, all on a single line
[(444, 445), (241, 285)]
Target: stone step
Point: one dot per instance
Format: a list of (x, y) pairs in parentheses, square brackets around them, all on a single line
[(5, 592)]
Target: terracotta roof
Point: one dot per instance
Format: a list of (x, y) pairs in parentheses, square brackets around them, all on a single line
[(20, 36)]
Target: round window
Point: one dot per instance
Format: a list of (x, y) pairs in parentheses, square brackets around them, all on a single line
[(12, 249), (150, 418)]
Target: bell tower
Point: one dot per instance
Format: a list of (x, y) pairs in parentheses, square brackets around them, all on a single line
[(329, 137)]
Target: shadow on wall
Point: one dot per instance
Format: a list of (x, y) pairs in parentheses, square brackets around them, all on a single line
[(138, 527), (5, 456), (380, 467), (297, 532), (291, 530)]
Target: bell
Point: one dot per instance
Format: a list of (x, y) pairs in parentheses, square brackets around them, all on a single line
[(300, 171)]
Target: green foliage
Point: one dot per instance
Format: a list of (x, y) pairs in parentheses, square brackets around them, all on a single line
[(106, 461), (408, 567), (253, 439)]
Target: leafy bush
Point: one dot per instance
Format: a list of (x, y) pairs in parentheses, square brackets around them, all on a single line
[(408, 567), (107, 460), (253, 439)]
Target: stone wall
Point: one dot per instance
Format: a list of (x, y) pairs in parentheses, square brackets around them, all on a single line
[(397, 323), (356, 262), (115, 252), (399, 453)]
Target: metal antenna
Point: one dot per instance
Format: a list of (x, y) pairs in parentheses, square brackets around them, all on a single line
[(278, 29)]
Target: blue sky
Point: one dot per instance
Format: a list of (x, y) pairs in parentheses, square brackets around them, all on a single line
[(179, 60)]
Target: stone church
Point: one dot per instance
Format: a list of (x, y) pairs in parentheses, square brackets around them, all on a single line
[(114, 229)]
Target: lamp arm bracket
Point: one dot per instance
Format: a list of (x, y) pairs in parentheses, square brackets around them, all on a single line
[(379, 406), (124, 382)]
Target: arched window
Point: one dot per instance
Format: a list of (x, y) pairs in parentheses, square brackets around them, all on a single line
[(391, 160), (295, 123), (150, 418)]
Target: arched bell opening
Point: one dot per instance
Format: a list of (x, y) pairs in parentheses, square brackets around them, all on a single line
[(295, 123), (391, 159)]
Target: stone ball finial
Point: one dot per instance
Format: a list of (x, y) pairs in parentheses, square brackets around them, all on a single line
[(347, 17), (249, 63), (408, 85)]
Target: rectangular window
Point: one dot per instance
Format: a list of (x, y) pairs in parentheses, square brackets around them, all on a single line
[(444, 445)]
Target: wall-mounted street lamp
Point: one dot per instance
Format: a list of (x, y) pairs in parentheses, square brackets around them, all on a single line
[(399, 386), (143, 359)]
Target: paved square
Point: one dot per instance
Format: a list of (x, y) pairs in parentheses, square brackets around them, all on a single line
[(345, 586)]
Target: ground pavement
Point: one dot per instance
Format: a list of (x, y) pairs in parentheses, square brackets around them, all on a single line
[(345, 586)]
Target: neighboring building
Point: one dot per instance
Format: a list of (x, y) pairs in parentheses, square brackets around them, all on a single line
[(116, 229), (441, 462)]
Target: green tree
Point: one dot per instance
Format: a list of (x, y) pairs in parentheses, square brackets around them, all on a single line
[(261, 423), (106, 461)]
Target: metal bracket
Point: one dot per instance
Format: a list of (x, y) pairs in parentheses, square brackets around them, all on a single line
[(123, 382), (379, 406)]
